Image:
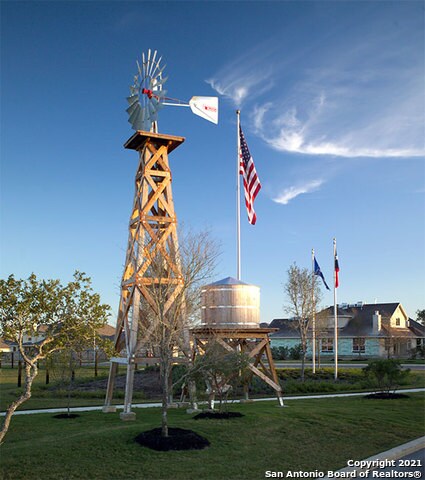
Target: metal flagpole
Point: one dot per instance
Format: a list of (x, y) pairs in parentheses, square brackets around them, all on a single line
[(238, 199), (335, 318), (314, 310)]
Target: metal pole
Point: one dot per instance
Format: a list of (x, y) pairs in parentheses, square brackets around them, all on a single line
[(238, 199), (335, 319), (314, 310)]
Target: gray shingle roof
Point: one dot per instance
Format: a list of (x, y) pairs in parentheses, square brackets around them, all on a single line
[(417, 327), (286, 328)]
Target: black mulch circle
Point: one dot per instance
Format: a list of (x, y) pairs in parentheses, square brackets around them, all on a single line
[(178, 439), (65, 415), (218, 415), (386, 396)]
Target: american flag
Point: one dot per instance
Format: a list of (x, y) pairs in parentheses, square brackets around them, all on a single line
[(251, 182)]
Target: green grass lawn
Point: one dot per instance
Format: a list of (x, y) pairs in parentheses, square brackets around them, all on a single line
[(308, 435)]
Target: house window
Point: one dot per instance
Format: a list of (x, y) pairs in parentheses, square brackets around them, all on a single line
[(327, 344), (397, 322), (359, 345)]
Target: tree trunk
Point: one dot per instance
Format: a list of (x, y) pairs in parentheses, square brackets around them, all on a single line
[(303, 355), (318, 353), (20, 373), (71, 379), (165, 376), (95, 363), (31, 372)]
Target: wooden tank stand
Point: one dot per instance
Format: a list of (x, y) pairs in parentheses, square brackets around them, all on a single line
[(152, 234), (255, 342)]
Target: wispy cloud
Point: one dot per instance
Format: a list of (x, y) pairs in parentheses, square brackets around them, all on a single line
[(352, 96), (238, 79), (292, 192), (329, 124)]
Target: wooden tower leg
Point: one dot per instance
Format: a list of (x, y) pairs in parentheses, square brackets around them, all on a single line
[(127, 414), (108, 407), (152, 238)]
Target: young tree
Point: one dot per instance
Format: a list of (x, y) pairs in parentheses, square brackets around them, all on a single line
[(299, 290), (63, 366), (165, 323), (60, 315), (221, 370)]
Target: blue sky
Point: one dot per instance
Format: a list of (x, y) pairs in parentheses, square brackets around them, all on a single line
[(332, 106)]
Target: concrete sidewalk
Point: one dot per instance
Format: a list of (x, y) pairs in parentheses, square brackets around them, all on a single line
[(158, 404)]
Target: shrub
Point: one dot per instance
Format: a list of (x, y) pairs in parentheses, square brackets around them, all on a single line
[(418, 352), (385, 375), (280, 353), (295, 352)]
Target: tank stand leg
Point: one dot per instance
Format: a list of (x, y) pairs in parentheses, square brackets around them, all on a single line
[(192, 397), (246, 398)]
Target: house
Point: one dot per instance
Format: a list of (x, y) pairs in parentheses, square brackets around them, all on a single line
[(107, 332), (5, 347), (10, 353), (364, 330)]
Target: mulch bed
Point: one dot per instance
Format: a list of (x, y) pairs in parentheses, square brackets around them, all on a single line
[(66, 416), (147, 382), (386, 396), (178, 439), (218, 415)]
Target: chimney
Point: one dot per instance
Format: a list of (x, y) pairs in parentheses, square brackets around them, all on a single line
[(376, 322)]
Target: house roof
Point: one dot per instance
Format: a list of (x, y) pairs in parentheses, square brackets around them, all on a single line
[(287, 328), (106, 331), (365, 310), (417, 327)]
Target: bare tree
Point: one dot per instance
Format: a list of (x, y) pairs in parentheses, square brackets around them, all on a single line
[(396, 342), (298, 290), (58, 315), (172, 304)]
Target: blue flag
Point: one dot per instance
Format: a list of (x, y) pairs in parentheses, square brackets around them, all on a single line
[(319, 273)]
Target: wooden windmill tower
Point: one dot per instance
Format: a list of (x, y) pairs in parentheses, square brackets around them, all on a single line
[(153, 223)]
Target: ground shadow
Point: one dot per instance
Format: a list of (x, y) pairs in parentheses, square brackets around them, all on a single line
[(178, 439)]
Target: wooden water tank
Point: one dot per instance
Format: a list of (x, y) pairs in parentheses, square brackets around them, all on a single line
[(230, 303)]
